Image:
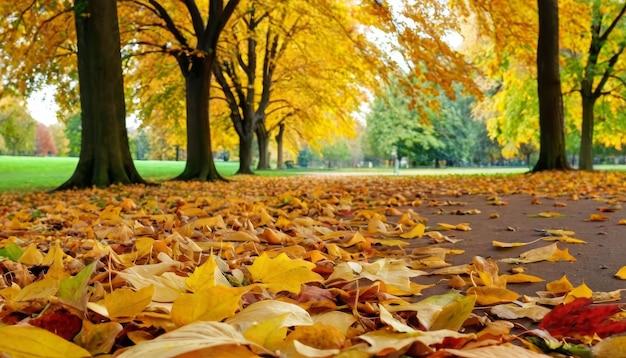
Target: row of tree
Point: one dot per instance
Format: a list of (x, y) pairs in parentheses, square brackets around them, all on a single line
[(298, 70)]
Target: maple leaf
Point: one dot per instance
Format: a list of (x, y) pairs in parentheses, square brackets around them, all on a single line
[(213, 303), (282, 273), (581, 320)]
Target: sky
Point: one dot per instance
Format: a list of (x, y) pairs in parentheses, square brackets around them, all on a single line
[(42, 106)]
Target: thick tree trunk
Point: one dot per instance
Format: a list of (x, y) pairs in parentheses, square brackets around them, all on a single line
[(586, 139), (262, 138), (551, 121), (200, 164), (105, 157), (279, 146), (245, 154)]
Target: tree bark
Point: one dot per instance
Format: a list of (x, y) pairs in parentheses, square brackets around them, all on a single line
[(245, 154), (552, 154), (200, 164), (263, 141), (586, 133), (105, 157), (279, 145)]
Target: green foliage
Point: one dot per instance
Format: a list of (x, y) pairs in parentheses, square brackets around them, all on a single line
[(17, 128), (73, 132), (448, 134)]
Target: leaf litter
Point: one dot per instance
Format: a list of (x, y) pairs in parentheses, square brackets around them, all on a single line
[(307, 266)]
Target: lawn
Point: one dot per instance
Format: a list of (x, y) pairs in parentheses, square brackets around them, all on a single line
[(44, 173)]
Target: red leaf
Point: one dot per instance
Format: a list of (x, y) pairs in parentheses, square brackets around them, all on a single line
[(60, 322), (580, 319)]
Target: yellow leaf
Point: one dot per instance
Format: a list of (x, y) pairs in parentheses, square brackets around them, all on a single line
[(522, 278), (561, 285), (125, 302), (565, 239), (511, 244), (453, 315), (197, 339), (212, 222), (43, 289), (525, 310), (31, 256), (546, 253), (206, 275), (547, 214), (558, 232), (621, 273), (98, 338), (578, 292), (318, 335), (598, 217), (444, 226), (489, 295), (211, 304), (266, 322), (269, 333), (395, 324), (282, 273), (610, 346), (30, 341), (193, 211), (417, 231)]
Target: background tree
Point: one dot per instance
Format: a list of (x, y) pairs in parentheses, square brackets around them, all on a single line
[(190, 37), (105, 154), (16, 126), (73, 130), (44, 143), (600, 68), (551, 117)]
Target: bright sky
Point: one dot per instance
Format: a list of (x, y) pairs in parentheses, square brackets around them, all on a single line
[(42, 106)]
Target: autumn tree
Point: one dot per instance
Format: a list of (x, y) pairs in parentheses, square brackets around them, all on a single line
[(105, 154), (274, 55), (17, 127), (551, 118), (44, 143), (600, 69), (190, 37), (43, 42)]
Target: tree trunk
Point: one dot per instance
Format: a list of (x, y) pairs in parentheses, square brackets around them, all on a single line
[(245, 154), (586, 133), (105, 157), (263, 141), (551, 121), (279, 145), (200, 164)]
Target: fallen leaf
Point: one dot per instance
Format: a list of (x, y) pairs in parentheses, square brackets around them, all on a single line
[(196, 337), (547, 253), (282, 273), (30, 341), (598, 217), (517, 311)]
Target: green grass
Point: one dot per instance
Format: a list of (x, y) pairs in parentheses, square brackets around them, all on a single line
[(44, 173)]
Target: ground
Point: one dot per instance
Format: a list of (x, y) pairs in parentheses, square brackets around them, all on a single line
[(195, 257)]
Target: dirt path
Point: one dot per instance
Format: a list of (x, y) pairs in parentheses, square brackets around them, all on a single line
[(597, 261)]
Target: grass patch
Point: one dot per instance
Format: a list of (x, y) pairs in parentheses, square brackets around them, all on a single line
[(45, 173)]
